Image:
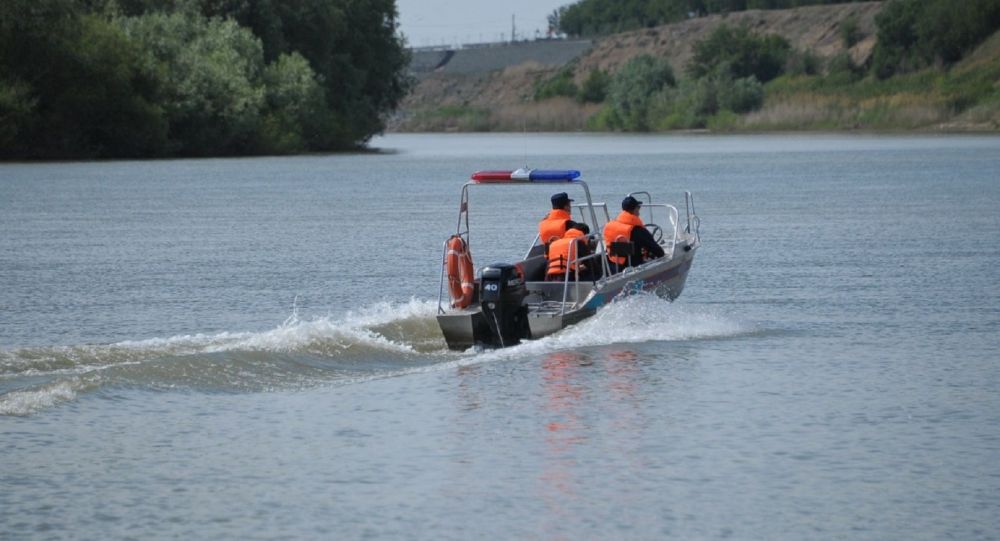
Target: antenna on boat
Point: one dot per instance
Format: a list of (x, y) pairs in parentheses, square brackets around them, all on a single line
[(524, 140)]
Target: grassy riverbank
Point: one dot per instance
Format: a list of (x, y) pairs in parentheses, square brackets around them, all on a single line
[(839, 67), (963, 98)]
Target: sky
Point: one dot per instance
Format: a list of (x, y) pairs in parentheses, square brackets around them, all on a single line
[(428, 23)]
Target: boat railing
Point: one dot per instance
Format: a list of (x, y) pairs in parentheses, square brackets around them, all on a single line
[(585, 209), (654, 212), (693, 221), (573, 262), (444, 256), (595, 234), (532, 245), (592, 206), (670, 232), (667, 238), (444, 265)]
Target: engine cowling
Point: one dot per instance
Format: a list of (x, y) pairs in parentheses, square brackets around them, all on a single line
[(501, 296)]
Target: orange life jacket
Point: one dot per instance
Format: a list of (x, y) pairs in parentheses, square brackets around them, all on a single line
[(620, 230), (563, 250), (553, 227)]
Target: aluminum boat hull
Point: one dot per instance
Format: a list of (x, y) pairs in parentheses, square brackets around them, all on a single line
[(548, 313)]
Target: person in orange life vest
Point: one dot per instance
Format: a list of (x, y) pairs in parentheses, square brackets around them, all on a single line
[(554, 226), (628, 227), (564, 252)]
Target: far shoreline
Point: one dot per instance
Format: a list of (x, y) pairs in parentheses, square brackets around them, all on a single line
[(375, 151)]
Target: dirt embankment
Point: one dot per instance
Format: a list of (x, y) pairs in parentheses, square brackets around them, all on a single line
[(813, 28), (501, 99)]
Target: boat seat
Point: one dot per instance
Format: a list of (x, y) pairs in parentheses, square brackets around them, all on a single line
[(622, 249), (534, 268)]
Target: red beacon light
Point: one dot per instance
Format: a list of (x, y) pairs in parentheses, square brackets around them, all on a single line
[(526, 175)]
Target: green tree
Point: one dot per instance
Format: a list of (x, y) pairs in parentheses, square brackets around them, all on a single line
[(913, 34), (897, 36), (296, 114), (946, 34), (850, 31), (589, 17), (352, 45), (208, 71), (595, 87), (103, 78), (744, 52), (17, 106), (560, 84), (632, 89), (79, 78), (740, 95), (693, 102)]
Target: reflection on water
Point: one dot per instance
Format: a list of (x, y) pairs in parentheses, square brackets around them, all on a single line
[(564, 390), (588, 396)]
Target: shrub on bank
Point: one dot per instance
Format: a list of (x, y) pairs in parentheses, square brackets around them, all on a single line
[(913, 34), (593, 90), (632, 89), (560, 84), (743, 52), (453, 118), (595, 87)]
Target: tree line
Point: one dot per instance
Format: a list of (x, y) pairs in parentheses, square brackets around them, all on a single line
[(151, 78), (598, 17)]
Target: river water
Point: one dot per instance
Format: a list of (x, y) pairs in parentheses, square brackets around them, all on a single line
[(246, 348)]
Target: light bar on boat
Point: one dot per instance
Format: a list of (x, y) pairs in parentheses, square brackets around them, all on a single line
[(526, 175)]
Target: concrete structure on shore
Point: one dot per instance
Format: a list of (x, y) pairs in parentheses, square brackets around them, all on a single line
[(477, 59)]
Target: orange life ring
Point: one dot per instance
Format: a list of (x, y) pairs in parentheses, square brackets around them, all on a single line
[(461, 281)]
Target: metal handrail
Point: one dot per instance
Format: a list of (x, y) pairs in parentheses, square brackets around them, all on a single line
[(597, 229), (601, 205), (649, 200), (570, 261), (672, 214), (444, 263), (674, 217), (692, 216), (532, 245), (464, 205)]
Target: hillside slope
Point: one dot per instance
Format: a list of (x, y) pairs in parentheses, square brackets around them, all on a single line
[(501, 99), (815, 28)]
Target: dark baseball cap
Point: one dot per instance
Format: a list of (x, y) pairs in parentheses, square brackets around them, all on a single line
[(560, 200), (631, 203)]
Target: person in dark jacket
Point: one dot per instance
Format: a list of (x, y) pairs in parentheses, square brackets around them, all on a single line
[(628, 227)]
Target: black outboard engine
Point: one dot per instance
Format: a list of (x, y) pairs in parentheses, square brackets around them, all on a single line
[(501, 294)]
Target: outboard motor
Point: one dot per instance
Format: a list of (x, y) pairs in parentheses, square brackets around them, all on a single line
[(501, 294)]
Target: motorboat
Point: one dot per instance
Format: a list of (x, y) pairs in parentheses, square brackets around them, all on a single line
[(501, 304)]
